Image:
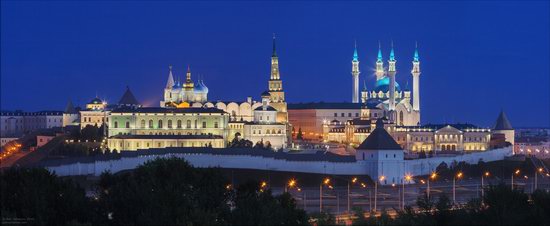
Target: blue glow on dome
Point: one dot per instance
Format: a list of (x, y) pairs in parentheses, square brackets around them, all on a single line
[(392, 55), (416, 58), (384, 85), (355, 57), (379, 55)]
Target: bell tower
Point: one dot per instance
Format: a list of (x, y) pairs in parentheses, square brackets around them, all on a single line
[(277, 98)]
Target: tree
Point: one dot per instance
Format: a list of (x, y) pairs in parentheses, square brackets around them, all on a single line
[(164, 191), (259, 207), (300, 136), (359, 216), (506, 206), (422, 155), (324, 218), (259, 144), (42, 198), (443, 207)]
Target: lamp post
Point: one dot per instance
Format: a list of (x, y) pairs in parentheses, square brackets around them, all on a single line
[(458, 176), (326, 181), (539, 170), (486, 174), (517, 173), (407, 179), (381, 178), (353, 180), (432, 176)]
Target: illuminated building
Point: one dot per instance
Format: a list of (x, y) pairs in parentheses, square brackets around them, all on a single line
[(142, 128)]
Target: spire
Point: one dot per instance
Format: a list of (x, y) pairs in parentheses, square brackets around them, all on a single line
[(416, 52), (274, 52), (379, 52), (392, 55), (355, 56), (364, 85), (188, 74), (170, 81)]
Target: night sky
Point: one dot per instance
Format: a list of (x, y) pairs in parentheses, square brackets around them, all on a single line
[(476, 57)]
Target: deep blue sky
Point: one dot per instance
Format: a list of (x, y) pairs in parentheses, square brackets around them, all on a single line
[(476, 57)]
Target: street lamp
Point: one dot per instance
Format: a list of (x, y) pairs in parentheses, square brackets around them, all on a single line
[(263, 185), (486, 174), (326, 181), (408, 178), (291, 183), (381, 178), (432, 176), (539, 170), (458, 176), (517, 173), (353, 180)]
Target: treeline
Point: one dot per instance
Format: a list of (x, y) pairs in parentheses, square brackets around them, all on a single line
[(171, 192), (159, 192)]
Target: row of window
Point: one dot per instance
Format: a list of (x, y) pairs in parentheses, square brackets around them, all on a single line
[(89, 119), (267, 131), (169, 124), (344, 114)]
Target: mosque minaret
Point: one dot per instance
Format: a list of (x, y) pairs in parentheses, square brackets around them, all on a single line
[(355, 76), (416, 80)]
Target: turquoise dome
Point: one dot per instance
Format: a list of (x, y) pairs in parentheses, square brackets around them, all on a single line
[(384, 85)]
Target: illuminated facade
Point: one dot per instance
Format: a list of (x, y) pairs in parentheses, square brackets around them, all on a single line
[(95, 114), (142, 128), (387, 96)]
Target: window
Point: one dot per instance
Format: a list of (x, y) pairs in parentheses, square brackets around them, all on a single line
[(215, 124), (335, 114), (170, 124), (349, 114), (160, 124), (267, 132), (343, 115), (267, 118), (179, 124), (203, 124), (188, 124), (195, 124), (127, 124), (150, 124), (356, 114), (279, 132), (116, 124)]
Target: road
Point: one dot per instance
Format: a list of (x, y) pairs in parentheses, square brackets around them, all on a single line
[(389, 198)]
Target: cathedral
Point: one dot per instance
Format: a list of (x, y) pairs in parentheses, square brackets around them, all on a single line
[(177, 94)]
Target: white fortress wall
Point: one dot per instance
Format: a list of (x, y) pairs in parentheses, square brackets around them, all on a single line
[(389, 169), (428, 165)]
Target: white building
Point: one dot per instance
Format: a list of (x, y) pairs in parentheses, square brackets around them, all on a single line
[(17, 123)]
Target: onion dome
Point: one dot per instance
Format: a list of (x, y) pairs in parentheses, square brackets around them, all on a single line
[(200, 87)]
